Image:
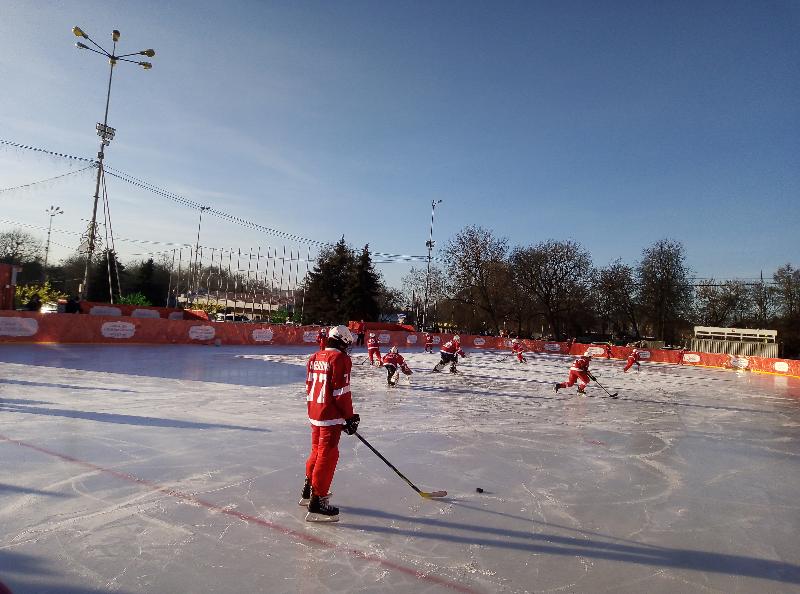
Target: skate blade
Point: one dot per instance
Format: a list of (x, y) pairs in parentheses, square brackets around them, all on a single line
[(304, 502), (312, 517)]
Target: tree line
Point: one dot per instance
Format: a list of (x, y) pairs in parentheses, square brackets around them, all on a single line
[(481, 284)]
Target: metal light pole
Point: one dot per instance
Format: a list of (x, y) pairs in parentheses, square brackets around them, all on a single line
[(105, 133), (52, 211), (197, 249), (430, 243)]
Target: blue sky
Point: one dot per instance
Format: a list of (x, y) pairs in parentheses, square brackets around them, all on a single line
[(614, 124)]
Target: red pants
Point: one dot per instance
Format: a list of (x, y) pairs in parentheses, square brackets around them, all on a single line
[(321, 464), (520, 357), (630, 364), (374, 353), (580, 376)]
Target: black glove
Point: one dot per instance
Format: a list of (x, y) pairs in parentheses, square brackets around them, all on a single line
[(351, 424)]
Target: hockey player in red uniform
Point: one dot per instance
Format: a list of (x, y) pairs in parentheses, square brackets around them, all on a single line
[(322, 338), (393, 361), (578, 372), (517, 349), (449, 353), (607, 348), (374, 350), (330, 410), (633, 359), (428, 342)]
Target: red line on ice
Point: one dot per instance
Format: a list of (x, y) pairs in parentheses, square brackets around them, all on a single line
[(247, 518)]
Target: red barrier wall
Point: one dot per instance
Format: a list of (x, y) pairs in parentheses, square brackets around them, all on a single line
[(74, 328)]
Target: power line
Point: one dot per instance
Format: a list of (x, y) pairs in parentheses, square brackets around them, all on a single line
[(46, 151), (49, 179), (382, 257)]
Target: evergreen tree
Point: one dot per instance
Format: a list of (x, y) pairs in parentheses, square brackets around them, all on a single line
[(364, 293), (98, 279), (328, 285)]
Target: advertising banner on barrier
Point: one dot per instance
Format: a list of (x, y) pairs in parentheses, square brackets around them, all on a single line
[(74, 328)]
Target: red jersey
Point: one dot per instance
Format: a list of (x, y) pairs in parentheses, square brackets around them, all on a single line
[(428, 339), (517, 348), (372, 343), (396, 360), (580, 365), (328, 388), (634, 356), (452, 347)]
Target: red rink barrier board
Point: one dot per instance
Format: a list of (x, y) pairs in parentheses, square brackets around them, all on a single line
[(17, 326)]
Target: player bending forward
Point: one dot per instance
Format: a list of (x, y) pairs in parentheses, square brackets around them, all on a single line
[(517, 349), (330, 410), (393, 361), (449, 353), (374, 350), (633, 359), (578, 372)]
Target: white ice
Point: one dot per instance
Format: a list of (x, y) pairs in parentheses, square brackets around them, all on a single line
[(177, 469)]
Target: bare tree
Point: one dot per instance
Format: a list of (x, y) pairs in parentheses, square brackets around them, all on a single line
[(787, 289), (557, 277), (665, 291), (19, 247), (478, 274), (722, 304), (615, 297)]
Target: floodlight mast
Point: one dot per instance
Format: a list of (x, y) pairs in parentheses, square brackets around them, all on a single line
[(105, 133), (430, 243)]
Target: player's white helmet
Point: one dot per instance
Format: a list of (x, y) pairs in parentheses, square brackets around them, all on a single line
[(457, 338), (514, 341), (372, 335), (393, 350), (341, 333)]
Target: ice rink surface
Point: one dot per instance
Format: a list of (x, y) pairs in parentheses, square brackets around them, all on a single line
[(142, 469)]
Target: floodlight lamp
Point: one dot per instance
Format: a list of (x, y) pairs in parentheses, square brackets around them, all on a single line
[(79, 32), (146, 65), (115, 35), (80, 45), (148, 52)]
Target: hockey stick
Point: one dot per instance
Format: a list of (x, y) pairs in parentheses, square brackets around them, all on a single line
[(424, 494), (610, 395)]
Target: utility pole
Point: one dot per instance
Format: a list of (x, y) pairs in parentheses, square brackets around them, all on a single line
[(430, 243)]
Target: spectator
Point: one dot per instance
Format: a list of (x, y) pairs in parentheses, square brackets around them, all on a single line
[(34, 303), (73, 305)]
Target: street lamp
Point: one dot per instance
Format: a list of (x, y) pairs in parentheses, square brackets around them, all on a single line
[(430, 243), (105, 132), (52, 211), (198, 263)]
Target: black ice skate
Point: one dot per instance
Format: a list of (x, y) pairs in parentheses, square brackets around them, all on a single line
[(319, 510), (453, 369), (556, 388), (305, 494)]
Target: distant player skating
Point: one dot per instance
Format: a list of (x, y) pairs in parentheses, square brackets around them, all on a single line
[(374, 350), (394, 364), (330, 410), (322, 337), (518, 350), (579, 372), (633, 359), (449, 353), (428, 342)]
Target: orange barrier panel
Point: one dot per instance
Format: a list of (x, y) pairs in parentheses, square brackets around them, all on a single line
[(74, 328)]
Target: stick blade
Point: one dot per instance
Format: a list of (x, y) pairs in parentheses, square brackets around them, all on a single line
[(434, 494)]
